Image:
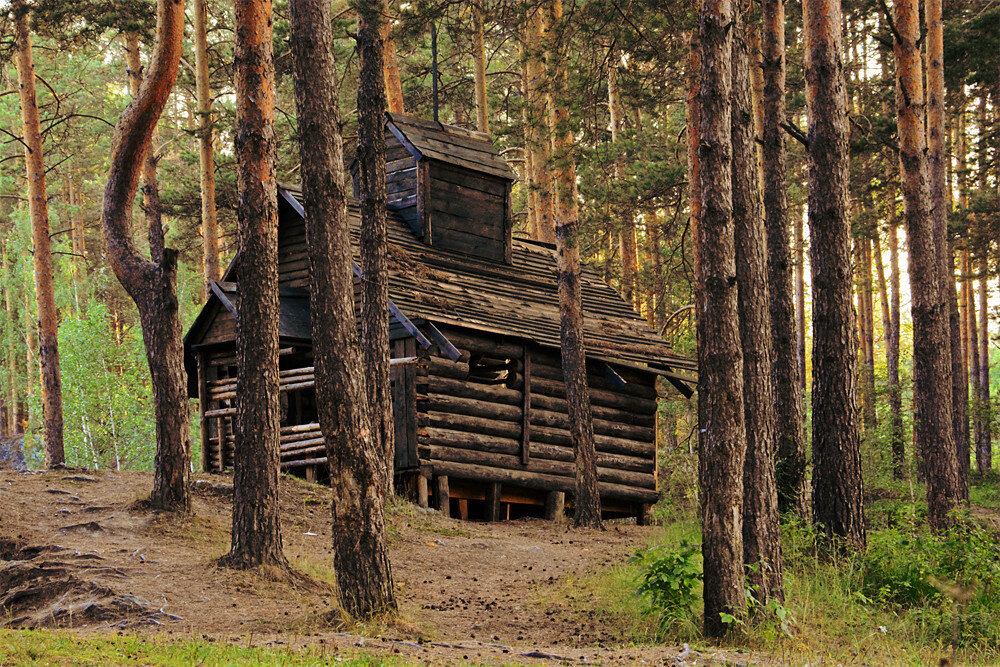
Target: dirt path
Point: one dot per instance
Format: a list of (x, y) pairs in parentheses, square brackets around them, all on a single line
[(467, 591)]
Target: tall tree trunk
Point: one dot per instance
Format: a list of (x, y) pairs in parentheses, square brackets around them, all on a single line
[(538, 122), (791, 447), (12, 394), (973, 332), (530, 181), (761, 530), (897, 438), (390, 69), (479, 70), (627, 245), (153, 285), (374, 234), (800, 303), (587, 501), (38, 208), (837, 484), (256, 516), (354, 453), (929, 303), (206, 145), (937, 161), (867, 336), (720, 359), (984, 443), (693, 121)]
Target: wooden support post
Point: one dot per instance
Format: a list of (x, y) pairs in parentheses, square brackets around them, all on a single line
[(463, 509), (643, 517), (422, 491), (555, 505), (311, 474), (206, 445), (526, 408), (443, 495), (493, 501)]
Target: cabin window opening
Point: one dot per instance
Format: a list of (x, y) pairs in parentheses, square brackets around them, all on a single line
[(493, 370)]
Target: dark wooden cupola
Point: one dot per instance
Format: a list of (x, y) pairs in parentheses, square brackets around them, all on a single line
[(450, 186)]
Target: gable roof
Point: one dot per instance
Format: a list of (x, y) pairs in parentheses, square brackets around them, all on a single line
[(449, 144), (520, 299)]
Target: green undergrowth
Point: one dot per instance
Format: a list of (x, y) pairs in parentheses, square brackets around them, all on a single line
[(912, 597), (42, 647)]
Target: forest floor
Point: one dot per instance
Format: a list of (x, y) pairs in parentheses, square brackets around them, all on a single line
[(81, 553)]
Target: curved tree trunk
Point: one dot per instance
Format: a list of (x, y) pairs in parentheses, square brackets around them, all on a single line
[(761, 530), (930, 305), (360, 553), (374, 258), (587, 501), (837, 484), (41, 243), (153, 286)]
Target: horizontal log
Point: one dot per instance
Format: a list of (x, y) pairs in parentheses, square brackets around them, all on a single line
[(536, 465), (300, 444), (474, 390), (607, 398), (482, 345), (300, 428), (554, 404), (304, 462), (539, 481), (221, 412), (307, 451)]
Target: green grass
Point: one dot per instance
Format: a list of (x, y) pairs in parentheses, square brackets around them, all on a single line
[(40, 647)]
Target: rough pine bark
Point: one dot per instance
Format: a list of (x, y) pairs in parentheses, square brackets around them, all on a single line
[(153, 285), (374, 234), (800, 302), (206, 146), (538, 122), (791, 446), (360, 550), (693, 122), (836, 484), (41, 243), (722, 446), (587, 501), (256, 517), (390, 69), (761, 530), (479, 70), (929, 304)]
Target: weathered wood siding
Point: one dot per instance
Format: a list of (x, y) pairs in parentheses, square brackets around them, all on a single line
[(293, 253), (466, 211)]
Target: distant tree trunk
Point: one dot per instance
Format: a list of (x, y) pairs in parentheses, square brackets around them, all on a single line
[(693, 122), (984, 444), (800, 304), (354, 453), (587, 501), (889, 298), (530, 176), (720, 359), (937, 160), (374, 234), (972, 313), (865, 295), (206, 145), (538, 121), (38, 208), (479, 70), (930, 307), (390, 69), (153, 285), (837, 485), (13, 395), (256, 516), (791, 447), (627, 243), (761, 529)]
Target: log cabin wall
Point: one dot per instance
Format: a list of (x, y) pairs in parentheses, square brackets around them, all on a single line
[(479, 430)]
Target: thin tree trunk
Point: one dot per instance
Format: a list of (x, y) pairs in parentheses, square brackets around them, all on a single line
[(897, 437), (693, 121), (720, 359), (984, 442), (390, 68), (206, 145), (479, 70), (974, 349), (12, 323), (837, 483), (538, 122), (354, 453), (627, 244), (791, 448), (870, 414), (374, 234), (761, 530), (587, 502), (800, 302), (38, 208), (153, 286), (930, 306), (256, 514)]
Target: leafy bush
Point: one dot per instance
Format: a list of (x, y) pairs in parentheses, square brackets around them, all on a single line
[(670, 579)]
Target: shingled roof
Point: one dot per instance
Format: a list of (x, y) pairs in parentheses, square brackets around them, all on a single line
[(518, 299), (449, 144)]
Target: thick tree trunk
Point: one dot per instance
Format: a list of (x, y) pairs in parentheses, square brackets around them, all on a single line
[(354, 453), (791, 448), (930, 306), (153, 286), (720, 359), (761, 530), (984, 442), (206, 145), (374, 258), (587, 502), (38, 208), (837, 484), (479, 70), (256, 516), (538, 121)]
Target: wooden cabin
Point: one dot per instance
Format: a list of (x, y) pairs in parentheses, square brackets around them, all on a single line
[(479, 402)]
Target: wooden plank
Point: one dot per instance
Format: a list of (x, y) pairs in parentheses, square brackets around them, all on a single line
[(422, 491), (526, 407), (555, 505), (493, 501), (475, 180), (203, 408), (443, 495)]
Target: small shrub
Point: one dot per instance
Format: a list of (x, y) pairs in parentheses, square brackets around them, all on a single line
[(670, 579)]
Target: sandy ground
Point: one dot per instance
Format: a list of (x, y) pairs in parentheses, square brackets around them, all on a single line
[(76, 552)]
